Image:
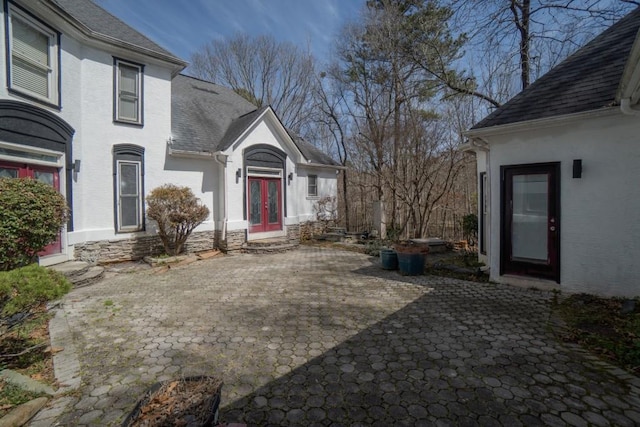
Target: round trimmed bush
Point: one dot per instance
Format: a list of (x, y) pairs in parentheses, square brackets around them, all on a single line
[(32, 214)]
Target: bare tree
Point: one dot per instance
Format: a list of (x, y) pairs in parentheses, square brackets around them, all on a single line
[(386, 98), (263, 71), (527, 37)]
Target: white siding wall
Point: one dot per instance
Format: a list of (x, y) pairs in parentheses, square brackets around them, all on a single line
[(87, 95), (261, 133), (299, 206), (600, 213), (327, 186), (97, 134)]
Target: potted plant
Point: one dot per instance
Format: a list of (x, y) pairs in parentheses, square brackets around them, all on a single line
[(411, 258), (388, 259)]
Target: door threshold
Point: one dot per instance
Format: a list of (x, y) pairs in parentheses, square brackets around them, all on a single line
[(529, 282)]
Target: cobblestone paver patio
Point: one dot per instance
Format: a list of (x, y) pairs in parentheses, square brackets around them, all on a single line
[(325, 337)]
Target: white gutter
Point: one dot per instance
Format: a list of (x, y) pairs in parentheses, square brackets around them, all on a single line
[(540, 123), (625, 107), (223, 164), (188, 154), (320, 166)]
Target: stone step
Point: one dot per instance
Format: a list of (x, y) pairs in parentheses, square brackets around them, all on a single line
[(71, 268), (269, 249), (91, 276), (262, 246), (267, 242)]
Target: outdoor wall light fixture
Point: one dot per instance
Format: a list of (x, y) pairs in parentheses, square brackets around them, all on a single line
[(239, 173), (290, 177), (76, 166), (577, 168)]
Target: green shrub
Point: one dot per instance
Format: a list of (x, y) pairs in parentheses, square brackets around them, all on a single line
[(27, 287), (178, 212), (31, 216), (470, 226)]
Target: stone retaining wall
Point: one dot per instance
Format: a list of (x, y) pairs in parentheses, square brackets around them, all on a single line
[(311, 229), (104, 251)]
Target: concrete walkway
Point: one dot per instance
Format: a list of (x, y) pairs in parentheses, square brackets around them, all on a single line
[(325, 337)]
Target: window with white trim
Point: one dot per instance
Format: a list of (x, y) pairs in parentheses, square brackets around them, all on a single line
[(312, 185), (129, 188), (128, 92), (32, 57)]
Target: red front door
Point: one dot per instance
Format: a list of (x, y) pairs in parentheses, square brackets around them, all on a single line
[(265, 203), (44, 174)]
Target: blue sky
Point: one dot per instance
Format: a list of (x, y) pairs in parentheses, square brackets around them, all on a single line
[(184, 26)]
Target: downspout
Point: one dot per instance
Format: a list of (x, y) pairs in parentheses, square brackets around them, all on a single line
[(223, 164), (625, 107)]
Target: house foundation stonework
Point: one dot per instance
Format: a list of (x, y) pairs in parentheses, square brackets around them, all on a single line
[(106, 251), (234, 241), (311, 229), (293, 233)]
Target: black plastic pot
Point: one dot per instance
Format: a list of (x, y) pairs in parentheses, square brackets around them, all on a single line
[(213, 403)]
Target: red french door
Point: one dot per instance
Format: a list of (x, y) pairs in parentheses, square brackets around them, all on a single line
[(44, 174), (531, 221), (265, 201)]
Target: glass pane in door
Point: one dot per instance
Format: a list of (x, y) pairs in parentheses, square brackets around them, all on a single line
[(8, 173), (46, 177), (530, 217), (272, 190), (255, 205)]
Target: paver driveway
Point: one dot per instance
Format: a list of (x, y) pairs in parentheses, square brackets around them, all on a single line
[(325, 337)]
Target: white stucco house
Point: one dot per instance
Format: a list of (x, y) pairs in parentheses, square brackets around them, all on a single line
[(559, 173), (99, 111)]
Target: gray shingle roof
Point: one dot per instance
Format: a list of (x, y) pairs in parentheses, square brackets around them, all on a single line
[(311, 153), (238, 126), (587, 80), (101, 22), (206, 117), (202, 113)]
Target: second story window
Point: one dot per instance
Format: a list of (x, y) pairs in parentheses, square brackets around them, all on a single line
[(128, 92), (32, 57)]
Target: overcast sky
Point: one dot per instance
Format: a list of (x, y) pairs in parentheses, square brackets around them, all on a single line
[(184, 26)]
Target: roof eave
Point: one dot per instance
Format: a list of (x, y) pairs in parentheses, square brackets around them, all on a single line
[(177, 63), (320, 166), (541, 123), (190, 154)]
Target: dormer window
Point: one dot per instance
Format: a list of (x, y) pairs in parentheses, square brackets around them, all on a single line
[(33, 57), (128, 92)]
